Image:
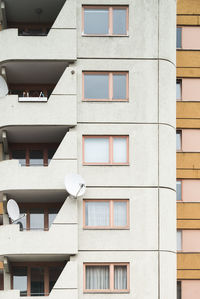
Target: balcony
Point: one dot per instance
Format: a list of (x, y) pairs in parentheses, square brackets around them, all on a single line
[(35, 34)]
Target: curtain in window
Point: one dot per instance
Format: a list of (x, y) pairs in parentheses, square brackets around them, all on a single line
[(120, 213), (120, 278), (97, 213), (97, 277)]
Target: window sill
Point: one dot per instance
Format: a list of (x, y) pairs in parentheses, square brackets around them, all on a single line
[(106, 228), (105, 100), (105, 35), (106, 292), (85, 164)]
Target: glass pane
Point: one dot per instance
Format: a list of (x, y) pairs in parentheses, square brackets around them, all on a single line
[(36, 219), (54, 273), (36, 158), (96, 86), (96, 150), (178, 90), (119, 21), (178, 140), (120, 279), (20, 280), (51, 153), (119, 150), (52, 215), (96, 21), (20, 155), (97, 277), (179, 240), (179, 37), (97, 213), (178, 289), (37, 281), (178, 190), (120, 213), (119, 86)]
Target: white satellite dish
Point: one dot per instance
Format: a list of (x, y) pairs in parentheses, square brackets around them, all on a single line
[(75, 185), (3, 87), (13, 211)]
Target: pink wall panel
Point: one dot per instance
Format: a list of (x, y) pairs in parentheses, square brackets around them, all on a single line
[(191, 38), (191, 190), (191, 241), (190, 289), (191, 140), (190, 89)]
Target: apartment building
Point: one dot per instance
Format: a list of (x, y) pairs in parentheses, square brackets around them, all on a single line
[(188, 149), (91, 91)]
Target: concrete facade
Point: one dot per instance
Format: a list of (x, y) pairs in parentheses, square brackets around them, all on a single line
[(148, 244)]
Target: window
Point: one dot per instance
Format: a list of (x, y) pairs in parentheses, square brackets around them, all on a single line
[(178, 37), (32, 154), (178, 190), (178, 140), (106, 213), (178, 289), (105, 86), (179, 240), (105, 20), (105, 150), (35, 279), (106, 277), (38, 216), (178, 89), (1, 281)]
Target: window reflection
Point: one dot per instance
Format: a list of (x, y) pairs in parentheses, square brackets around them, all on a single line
[(37, 281), (20, 280), (37, 219)]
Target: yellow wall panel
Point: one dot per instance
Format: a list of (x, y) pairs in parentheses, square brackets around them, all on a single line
[(188, 7), (188, 160), (1, 208), (188, 20), (188, 274), (188, 72), (188, 261), (188, 224), (188, 110), (188, 210), (187, 58), (188, 173), (188, 123), (1, 265)]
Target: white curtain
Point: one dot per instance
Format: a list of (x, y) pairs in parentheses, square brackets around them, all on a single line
[(97, 277), (120, 213), (97, 213), (120, 278), (96, 150), (119, 150)]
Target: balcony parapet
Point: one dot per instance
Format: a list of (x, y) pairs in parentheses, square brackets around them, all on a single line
[(58, 45), (16, 177), (43, 113)]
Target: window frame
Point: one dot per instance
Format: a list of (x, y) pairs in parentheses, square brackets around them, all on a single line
[(45, 265), (111, 214), (181, 191), (27, 147), (110, 85), (179, 80), (111, 278), (110, 138), (43, 206), (179, 282), (110, 20), (180, 131)]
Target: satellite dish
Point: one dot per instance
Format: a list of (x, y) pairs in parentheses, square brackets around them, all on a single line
[(13, 211), (3, 87), (75, 185)]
